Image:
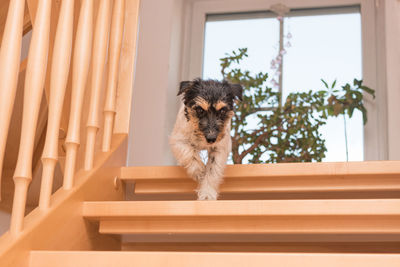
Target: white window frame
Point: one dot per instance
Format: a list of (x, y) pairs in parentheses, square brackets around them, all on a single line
[(375, 132)]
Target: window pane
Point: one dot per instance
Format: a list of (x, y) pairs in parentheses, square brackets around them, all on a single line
[(258, 35), (322, 47), (221, 37), (327, 47)]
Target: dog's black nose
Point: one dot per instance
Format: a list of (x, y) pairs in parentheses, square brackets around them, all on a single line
[(211, 140)]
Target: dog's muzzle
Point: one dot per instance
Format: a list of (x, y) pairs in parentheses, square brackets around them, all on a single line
[(211, 140)]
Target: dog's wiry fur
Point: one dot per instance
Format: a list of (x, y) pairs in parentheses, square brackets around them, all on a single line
[(203, 123)]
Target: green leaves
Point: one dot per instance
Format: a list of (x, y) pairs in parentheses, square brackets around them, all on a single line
[(349, 99), (289, 133), (325, 83)]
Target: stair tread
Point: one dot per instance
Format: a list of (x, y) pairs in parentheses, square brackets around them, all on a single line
[(249, 217), (100, 209), (198, 259), (283, 177), (271, 170)]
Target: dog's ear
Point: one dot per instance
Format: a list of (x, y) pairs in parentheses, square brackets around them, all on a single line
[(237, 90), (184, 86)]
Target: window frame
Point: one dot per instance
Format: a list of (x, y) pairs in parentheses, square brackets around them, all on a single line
[(375, 132)]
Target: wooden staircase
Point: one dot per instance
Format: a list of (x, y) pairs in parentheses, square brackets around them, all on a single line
[(291, 215), (276, 215)]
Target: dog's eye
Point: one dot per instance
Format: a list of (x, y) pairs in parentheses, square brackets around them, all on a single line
[(223, 111), (200, 111)]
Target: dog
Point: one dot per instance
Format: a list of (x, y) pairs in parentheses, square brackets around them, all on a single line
[(204, 123)]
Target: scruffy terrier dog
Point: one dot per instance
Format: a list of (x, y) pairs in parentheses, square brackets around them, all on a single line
[(204, 123)]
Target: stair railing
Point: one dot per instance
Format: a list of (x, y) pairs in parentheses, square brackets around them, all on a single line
[(89, 59)]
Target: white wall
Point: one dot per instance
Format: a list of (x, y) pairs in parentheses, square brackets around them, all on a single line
[(156, 82), (392, 47)]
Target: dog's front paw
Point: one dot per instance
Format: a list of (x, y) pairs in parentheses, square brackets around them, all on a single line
[(207, 194), (196, 171)]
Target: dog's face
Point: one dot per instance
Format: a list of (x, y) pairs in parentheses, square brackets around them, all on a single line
[(209, 106)]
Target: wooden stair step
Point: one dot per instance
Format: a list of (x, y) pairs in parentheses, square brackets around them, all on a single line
[(266, 246), (199, 259), (332, 177), (290, 217)]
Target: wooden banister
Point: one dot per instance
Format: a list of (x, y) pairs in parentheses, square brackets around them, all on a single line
[(117, 27), (98, 64), (59, 77), (10, 54), (81, 61), (34, 82), (58, 30)]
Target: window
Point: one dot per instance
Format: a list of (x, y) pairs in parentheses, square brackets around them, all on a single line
[(322, 43)]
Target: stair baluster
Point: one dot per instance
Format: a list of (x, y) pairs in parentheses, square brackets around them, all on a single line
[(98, 65), (58, 83), (117, 28), (34, 83), (10, 55), (81, 61)]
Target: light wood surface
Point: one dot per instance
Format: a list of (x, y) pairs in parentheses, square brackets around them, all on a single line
[(34, 83), (339, 177), (101, 37), (369, 168), (198, 259), (127, 67), (316, 207), (10, 55), (81, 61), (117, 29), (265, 246), (257, 237), (247, 217), (4, 8), (12, 151), (58, 83), (61, 226)]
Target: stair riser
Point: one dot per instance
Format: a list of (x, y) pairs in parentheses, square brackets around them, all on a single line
[(277, 185), (136, 209), (239, 246), (255, 225)]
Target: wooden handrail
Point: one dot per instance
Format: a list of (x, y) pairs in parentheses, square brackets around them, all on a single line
[(10, 54), (81, 61), (98, 66), (58, 83), (117, 27), (34, 82)]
